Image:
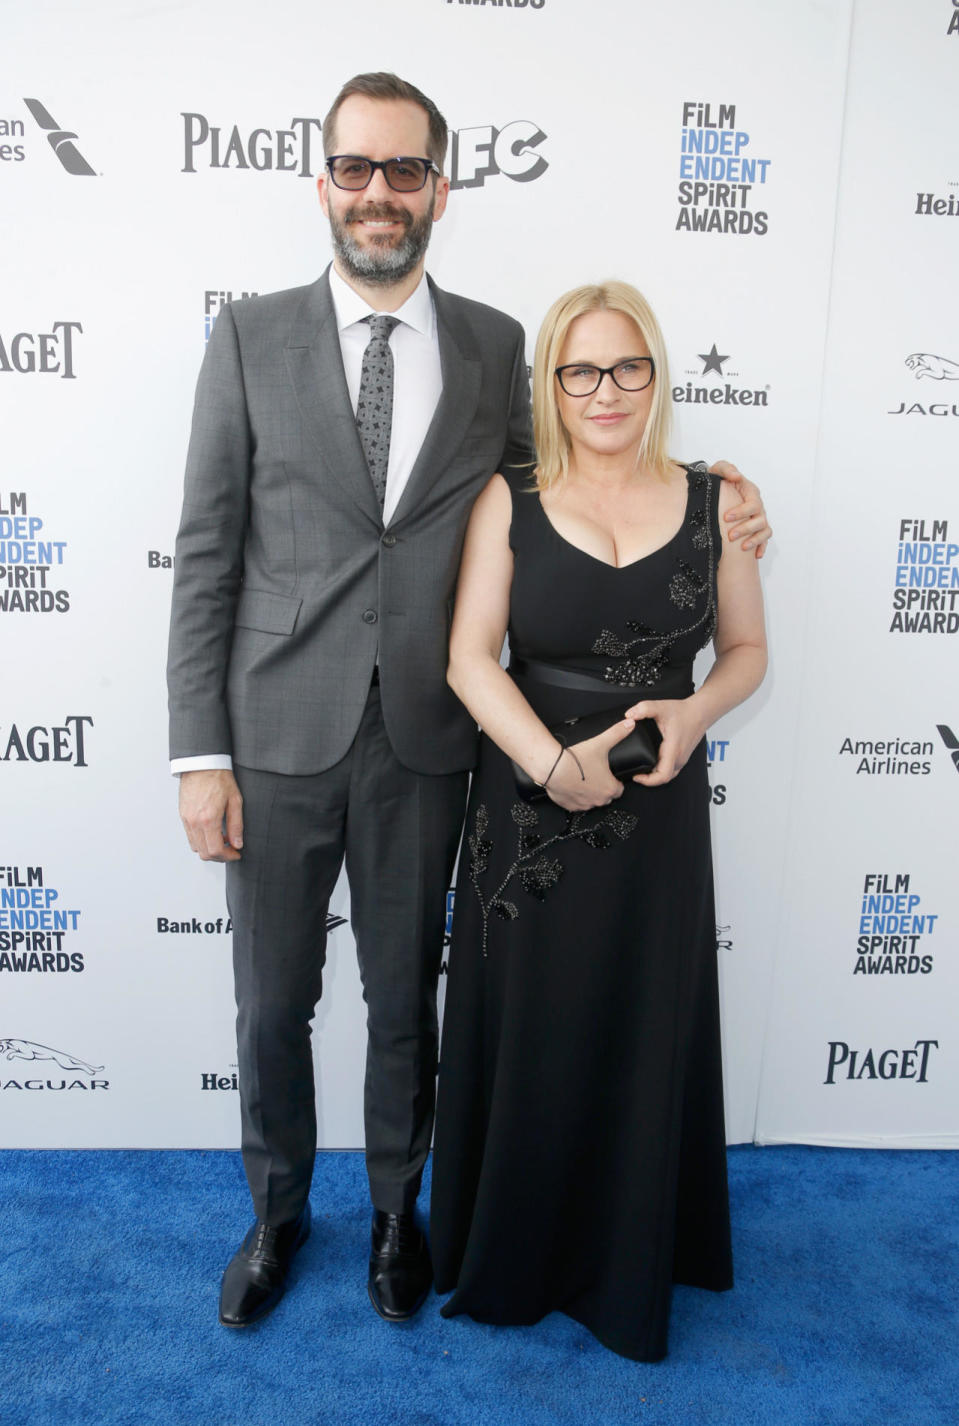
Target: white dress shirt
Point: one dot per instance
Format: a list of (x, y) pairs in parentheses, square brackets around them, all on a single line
[(417, 385)]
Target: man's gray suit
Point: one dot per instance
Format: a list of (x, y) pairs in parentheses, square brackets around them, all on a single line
[(290, 601)]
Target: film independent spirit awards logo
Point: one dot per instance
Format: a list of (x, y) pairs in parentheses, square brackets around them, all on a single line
[(32, 1066), (35, 925), (925, 596), (721, 179), (63, 142), (896, 932), (31, 561)]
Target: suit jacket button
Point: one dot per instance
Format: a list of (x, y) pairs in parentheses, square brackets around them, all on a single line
[(389, 540), (369, 616)]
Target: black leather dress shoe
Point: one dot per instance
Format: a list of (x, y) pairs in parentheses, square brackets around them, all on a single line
[(401, 1273), (255, 1278)]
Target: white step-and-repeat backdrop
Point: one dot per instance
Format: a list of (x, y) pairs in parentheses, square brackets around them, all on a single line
[(783, 183)]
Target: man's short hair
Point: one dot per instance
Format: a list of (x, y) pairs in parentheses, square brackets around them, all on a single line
[(383, 85)]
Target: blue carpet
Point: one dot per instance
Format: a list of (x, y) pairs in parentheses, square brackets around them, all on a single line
[(845, 1308)]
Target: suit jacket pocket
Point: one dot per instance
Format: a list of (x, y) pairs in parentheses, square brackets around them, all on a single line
[(270, 613)]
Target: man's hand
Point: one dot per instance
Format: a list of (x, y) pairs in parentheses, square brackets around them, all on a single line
[(747, 521), (211, 809)]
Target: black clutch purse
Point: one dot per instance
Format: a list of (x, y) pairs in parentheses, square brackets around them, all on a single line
[(638, 752)]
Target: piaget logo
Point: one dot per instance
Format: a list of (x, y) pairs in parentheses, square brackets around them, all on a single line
[(62, 743), (909, 1063), (41, 353), (296, 149)]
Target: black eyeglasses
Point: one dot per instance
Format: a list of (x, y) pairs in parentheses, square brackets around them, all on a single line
[(582, 379), (404, 175)]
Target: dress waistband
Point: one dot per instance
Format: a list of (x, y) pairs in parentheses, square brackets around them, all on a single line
[(675, 682)]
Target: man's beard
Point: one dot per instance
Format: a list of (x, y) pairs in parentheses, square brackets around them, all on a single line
[(383, 262)]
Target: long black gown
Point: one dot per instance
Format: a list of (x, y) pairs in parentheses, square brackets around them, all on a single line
[(579, 1159)]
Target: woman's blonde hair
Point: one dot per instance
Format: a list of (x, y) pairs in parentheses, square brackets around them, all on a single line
[(550, 436)]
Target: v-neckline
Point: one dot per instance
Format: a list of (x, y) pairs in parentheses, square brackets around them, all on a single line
[(618, 568)]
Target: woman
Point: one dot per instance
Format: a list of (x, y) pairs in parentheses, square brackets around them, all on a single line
[(580, 1151)]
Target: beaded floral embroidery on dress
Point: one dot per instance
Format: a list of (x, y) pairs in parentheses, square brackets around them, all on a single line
[(643, 659), (536, 871)]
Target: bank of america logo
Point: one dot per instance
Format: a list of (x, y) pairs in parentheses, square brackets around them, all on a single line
[(60, 140)]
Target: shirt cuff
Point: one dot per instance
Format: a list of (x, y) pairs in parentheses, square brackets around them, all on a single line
[(206, 762)]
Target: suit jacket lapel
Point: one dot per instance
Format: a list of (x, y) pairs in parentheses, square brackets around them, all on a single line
[(461, 368), (315, 364)]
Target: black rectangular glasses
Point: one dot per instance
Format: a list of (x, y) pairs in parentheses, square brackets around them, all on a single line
[(582, 379), (404, 175)]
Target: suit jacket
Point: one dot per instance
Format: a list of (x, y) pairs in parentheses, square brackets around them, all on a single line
[(287, 587)]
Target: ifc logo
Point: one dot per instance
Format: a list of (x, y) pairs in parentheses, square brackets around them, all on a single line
[(477, 153)]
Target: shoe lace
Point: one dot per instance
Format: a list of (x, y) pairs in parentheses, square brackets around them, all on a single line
[(400, 1234), (265, 1239)]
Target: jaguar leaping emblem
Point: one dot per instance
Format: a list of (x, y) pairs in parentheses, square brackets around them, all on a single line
[(937, 368), (28, 1050)]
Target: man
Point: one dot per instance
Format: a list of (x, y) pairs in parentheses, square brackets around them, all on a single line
[(341, 433)]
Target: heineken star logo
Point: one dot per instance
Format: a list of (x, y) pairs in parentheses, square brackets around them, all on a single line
[(712, 361)]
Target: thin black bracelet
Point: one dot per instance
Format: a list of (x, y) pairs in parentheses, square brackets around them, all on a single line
[(562, 749), (582, 775)]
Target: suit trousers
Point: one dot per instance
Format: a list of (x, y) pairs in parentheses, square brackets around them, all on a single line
[(398, 832)]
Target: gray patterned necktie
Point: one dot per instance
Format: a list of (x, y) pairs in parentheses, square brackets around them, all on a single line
[(374, 408)]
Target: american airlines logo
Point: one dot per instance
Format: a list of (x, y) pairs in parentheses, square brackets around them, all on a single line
[(61, 141), (951, 742)]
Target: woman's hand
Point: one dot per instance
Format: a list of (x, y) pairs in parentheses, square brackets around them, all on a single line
[(597, 787), (682, 728)]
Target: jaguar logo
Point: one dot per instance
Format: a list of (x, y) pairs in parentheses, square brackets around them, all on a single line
[(11, 1049), (937, 368)]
